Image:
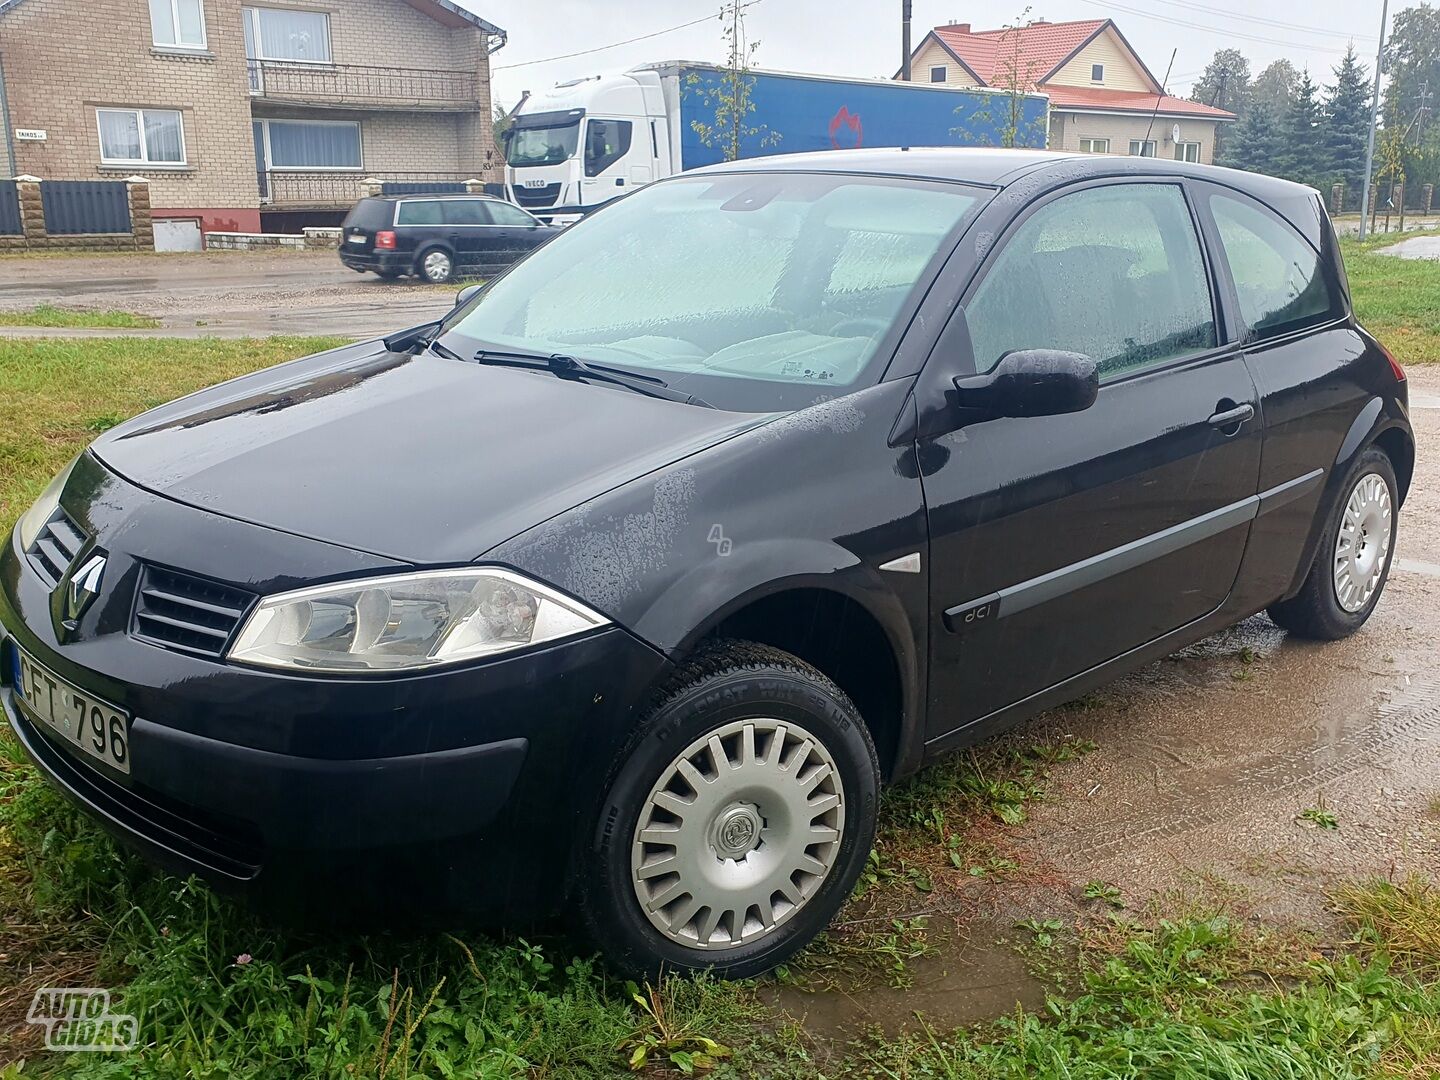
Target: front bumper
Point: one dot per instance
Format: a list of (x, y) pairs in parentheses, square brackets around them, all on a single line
[(475, 780)]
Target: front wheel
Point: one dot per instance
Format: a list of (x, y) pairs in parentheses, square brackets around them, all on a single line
[(738, 818), (1353, 561), (436, 265)]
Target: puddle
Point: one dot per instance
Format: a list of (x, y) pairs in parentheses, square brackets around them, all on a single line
[(1417, 247), (971, 979)]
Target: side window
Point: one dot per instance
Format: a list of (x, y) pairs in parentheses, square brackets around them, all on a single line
[(464, 212), (502, 213), (419, 213), (1278, 276), (606, 142), (1114, 272)]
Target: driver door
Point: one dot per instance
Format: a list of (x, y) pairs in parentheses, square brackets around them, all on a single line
[(1062, 542)]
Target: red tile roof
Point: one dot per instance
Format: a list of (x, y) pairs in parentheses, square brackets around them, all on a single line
[(1042, 47), (1087, 97)]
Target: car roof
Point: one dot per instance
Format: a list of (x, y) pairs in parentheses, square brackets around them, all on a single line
[(437, 195), (999, 168)]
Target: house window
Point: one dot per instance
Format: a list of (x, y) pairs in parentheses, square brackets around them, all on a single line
[(177, 24), (311, 144), (1142, 147), (1094, 146), (937, 74), (1097, 72), (283, 34), (1187, 151), (141, 136)]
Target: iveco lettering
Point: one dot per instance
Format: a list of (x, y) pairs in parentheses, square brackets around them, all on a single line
[(620, 593)]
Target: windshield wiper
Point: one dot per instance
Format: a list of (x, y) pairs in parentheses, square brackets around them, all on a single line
[(570, 367), (443, 350)]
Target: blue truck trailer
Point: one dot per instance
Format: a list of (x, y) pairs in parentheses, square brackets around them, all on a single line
[(576, 147)]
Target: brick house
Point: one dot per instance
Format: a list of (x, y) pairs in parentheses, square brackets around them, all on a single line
[(248, 115), (1103, 99)]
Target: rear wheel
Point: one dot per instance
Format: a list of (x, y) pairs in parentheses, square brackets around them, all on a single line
[(435, 265), (737, 820), (1353, 560)]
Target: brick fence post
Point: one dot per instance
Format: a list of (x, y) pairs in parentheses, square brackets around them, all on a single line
[(1427, 198), (373, 187), (475, 187), (32, 208), (142, 228), (1337, 198)]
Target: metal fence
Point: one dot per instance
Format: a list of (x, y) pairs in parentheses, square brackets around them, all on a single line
[(85, 206), (422, 187), (10, 208), (348, 84)]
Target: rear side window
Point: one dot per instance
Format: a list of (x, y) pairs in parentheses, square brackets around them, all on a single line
[(464, 212), (606, 142), (420, 213), (502, 213), (1280, 279), (1112, 272), (370, 214)]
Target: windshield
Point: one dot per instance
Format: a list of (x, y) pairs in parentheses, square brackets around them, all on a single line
[(758, 292), (542, 140)]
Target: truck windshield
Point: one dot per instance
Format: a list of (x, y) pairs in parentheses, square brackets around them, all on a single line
[(542, 140), (758, 292)]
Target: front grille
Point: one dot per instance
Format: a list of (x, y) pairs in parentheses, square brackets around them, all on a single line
[(56, 547), (537, 196), (191, 614)]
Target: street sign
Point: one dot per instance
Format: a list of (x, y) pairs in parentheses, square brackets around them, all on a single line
[(31, 134)]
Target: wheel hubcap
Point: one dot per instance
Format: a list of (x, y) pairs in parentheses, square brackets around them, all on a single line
[(1363, 543), (437, 265), (738, 834)]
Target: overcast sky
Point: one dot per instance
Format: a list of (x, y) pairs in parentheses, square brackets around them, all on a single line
[(862, 37)]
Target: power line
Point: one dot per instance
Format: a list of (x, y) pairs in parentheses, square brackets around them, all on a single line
[(617, 44), (1198, 26), (1261, 20)]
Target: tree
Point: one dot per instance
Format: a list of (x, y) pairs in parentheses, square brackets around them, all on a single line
[(1224, 85), (1005, 110), (1275, 85), (1301, 156), (1412, 62), (730, 94), (1256, 144), (1347, 122)]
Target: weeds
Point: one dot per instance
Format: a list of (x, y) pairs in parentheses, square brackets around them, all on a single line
[(50, 315), (1320, 816)]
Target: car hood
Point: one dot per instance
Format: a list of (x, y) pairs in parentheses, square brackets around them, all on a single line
[(414, 457)]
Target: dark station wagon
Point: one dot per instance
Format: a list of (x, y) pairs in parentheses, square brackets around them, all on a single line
[(438, 237), (618, 593)]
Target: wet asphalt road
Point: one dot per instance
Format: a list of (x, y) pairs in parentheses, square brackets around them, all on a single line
[(221, 294)]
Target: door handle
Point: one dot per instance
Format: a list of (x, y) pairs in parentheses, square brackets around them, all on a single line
[(1233, 418)]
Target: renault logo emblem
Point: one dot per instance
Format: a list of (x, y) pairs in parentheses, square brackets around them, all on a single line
[(82, 587)]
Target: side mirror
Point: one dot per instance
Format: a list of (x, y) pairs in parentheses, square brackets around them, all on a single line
[(1032, 382), (464, 295)]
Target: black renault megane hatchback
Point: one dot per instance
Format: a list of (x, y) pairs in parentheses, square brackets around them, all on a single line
[(620, 592)]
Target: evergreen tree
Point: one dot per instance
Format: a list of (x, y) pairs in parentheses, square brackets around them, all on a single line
[(1347, 123), (1301, 155), (1256, 144)]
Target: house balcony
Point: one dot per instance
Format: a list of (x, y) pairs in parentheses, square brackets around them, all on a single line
[(363, 86), (332, 189)]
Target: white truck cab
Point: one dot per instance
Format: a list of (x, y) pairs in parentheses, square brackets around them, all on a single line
[(575, 147)]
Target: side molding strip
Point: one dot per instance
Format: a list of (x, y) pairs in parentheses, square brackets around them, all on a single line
[(1051, 586)]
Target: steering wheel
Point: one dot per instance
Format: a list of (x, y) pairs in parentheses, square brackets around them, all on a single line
[(859, 327)]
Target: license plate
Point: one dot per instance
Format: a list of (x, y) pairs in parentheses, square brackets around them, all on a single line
[(96, 727), (355, 239)]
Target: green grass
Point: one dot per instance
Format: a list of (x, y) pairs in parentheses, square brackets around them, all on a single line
[(1397, 300), (50, 315)]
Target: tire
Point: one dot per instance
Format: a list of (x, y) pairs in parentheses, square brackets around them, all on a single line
[(1325, 609), (435, 265), (728, 689)]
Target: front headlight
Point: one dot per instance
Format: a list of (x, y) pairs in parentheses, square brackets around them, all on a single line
[(31, 522), (407, 622)]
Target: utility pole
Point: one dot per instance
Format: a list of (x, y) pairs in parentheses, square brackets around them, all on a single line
[(905, 13), (1374, 119)]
